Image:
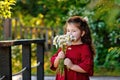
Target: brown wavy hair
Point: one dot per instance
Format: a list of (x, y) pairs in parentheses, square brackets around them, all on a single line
[(83, 26)]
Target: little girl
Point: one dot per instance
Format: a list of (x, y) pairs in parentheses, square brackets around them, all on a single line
[(78, 59)]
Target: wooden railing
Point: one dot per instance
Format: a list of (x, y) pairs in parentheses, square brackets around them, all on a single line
[(16, 30), (5, 58)]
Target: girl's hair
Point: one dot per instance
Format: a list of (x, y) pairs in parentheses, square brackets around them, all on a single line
[(83, 26)]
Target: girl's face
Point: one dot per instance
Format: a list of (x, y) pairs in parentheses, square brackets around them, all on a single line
[(72, 29)]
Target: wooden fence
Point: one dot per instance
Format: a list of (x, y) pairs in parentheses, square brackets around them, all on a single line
[(6, 64), (18, 31)]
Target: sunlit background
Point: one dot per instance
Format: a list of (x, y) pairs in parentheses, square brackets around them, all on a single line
[(43, 19)]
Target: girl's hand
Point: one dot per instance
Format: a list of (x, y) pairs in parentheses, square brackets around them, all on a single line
[(68, 63), (61, 55)]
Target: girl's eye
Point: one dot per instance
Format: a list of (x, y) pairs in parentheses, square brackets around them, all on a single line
[(74, 31), (68, 31)]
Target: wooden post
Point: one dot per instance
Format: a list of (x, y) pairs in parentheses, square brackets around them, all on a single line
[(15, 29), (7, 29), (5, 63), (46, 38), (40, 58), (26, 61)]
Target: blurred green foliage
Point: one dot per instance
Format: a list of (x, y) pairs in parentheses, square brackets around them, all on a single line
[(103, 18), (112, 60), (5, 8)]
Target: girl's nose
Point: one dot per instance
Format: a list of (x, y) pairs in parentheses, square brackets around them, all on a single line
[(69, 33)]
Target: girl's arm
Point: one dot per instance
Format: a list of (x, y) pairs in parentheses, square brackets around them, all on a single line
[(56, 62), (72, 66), (61, 55), (77, 68)]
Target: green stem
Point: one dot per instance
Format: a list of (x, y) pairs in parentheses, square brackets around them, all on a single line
[(61, 62)]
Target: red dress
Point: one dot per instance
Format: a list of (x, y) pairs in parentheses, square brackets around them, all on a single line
[(79, 55)]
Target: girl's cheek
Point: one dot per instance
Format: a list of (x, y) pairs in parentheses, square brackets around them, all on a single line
[(74, 34)]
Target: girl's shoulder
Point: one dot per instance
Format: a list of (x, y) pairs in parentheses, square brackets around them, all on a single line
[(85, 46), (80, 45)]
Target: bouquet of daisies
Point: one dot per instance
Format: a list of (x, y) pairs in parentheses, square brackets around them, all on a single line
[(63, 41)]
